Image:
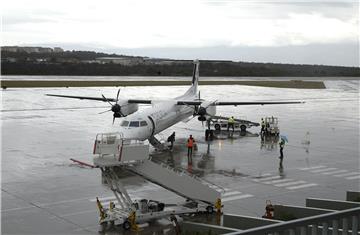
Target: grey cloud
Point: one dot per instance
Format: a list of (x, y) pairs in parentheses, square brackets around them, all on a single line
[(342, 10), (33, 16)]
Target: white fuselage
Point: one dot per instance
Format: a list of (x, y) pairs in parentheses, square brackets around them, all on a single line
[(148, 122)]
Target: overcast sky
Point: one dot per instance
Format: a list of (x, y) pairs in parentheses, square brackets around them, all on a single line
[(307, 32)]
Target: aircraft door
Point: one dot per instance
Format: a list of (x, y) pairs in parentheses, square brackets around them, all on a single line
[(152, 126)]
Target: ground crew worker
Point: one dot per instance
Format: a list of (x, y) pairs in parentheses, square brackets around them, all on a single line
[(171, 139), (218, 205), (267, 129), (262, 126), (101, 209), (281, 144), (231, 122), (132, 220), (190, 145)]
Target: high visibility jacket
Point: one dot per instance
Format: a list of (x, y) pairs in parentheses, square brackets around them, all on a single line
[(231, 120), (190, 143), (262, 123)]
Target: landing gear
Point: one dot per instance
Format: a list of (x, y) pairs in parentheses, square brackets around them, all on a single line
[(103, 227), (209, 135), (210, 209), (126, 225)]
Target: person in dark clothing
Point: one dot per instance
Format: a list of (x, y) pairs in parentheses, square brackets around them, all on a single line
[(281, 144), (262, 126), (171, 139)]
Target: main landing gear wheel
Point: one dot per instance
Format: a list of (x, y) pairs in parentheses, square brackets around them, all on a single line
[(217, 127), (243, 128), (126, 225), (103, 227), (210, 209)]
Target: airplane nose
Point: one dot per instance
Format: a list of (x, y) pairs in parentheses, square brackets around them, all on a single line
[(135, 133)]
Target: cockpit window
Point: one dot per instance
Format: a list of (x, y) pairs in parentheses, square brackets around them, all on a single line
[(124, 123), (143, 123), (134, 124)]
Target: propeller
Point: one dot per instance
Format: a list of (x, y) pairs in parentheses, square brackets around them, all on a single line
[(115, 108)]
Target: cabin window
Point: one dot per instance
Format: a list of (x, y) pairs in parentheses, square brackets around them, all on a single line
[(124, 123), (143, 123), (134, 124)]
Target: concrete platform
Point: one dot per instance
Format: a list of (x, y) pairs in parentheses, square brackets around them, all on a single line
[(43, 192)]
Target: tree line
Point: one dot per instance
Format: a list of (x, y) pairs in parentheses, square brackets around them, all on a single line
[(27, 64)]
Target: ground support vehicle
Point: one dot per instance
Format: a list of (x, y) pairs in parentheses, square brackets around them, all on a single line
[(272, 126)]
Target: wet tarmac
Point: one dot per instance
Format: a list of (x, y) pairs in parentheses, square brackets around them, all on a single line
[(43, 192)]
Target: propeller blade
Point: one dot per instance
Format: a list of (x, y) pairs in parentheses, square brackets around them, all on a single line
[(113, 120), (117, 96), (107, 100), (105, 111)]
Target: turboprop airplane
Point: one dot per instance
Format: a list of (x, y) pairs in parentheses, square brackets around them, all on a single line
[(146, 123)]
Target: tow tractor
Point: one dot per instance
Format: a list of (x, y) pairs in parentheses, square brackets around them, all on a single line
[(114, 154)]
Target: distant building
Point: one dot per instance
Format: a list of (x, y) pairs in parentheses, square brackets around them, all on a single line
[(31, 49), (42, 60), (162, 61), (44, 49), (9, 59), (91, 62), (127, 61), (10, 49), (58, 49)]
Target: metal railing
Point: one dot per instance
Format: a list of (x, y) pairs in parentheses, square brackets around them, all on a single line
[(319, 224)]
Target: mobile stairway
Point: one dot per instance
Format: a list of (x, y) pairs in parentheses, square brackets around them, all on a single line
[(115, 154)]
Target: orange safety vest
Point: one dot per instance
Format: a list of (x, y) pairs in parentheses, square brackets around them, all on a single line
[(190, 143)]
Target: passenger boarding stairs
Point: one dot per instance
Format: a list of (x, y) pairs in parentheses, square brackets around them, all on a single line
[(179, 182), (114, 152)]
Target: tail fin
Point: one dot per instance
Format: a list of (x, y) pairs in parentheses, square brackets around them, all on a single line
[(193, 90), (195, 78)]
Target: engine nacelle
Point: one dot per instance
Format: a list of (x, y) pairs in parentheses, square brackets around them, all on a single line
[(206, 110), (127, 109), (211, 110)]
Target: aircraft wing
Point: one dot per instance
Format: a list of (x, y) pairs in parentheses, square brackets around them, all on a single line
[(219, 103), (257, 102), (132, 101)]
